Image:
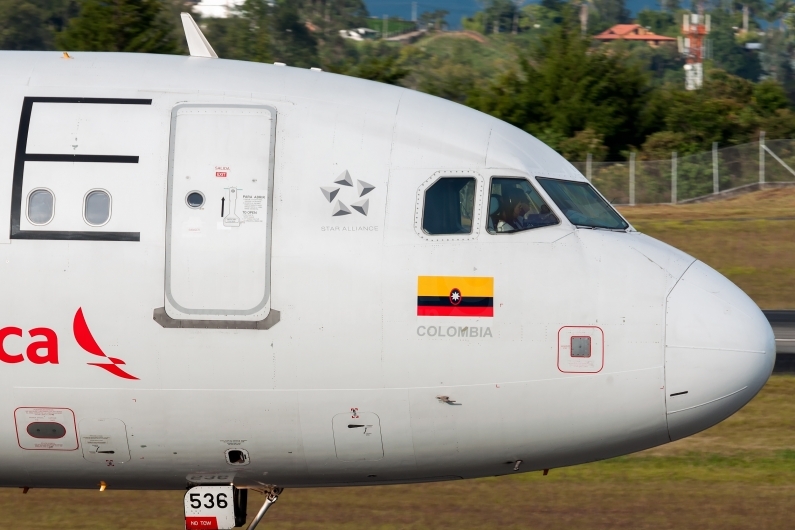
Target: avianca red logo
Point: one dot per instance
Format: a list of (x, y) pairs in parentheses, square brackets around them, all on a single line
[(45, 351), (86, 341)]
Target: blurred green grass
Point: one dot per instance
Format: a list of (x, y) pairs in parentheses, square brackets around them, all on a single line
[(750, 239)]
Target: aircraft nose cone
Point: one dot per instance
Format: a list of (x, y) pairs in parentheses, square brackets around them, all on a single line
[(719, 351)]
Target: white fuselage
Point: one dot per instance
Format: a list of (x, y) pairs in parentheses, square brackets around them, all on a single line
[(332, 339)]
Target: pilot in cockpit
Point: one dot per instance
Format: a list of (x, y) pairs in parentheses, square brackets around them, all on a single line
[(520, 210), (515, 206)]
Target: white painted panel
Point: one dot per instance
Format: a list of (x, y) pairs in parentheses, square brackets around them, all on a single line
[(104, 441), (357, 436), (88, 129), (217, 257)]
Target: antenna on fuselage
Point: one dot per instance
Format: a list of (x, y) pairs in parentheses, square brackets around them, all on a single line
[(197, 42)]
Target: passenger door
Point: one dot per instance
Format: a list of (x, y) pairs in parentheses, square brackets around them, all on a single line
[(218, 231)]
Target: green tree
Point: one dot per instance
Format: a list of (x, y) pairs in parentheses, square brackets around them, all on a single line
[(660, 145), (544, 17), (434, 19), (23, 27), (449, 72), (727, 53), (565, 87), (659, 22), (776, 57), (660, 62), (293, 43), (721, 111), (781, 124), (376, 61), (499, 16), (769, 96), (32, 24), (583, 143), (610, 12), (295, 32), (245, 35), (121, 26)]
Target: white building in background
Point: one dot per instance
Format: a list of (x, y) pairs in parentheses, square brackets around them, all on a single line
[(215, 8), (358, 34)]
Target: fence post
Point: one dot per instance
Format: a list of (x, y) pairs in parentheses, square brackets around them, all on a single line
[(761, 157), (673, 177), (715, 183), (588, 170), (632, 178)]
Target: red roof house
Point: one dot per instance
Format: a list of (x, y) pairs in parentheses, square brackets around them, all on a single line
[(633, 32)]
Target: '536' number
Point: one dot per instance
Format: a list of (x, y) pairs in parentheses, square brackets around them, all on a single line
[(210, 501)]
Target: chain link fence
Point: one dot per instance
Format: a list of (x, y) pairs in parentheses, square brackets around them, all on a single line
[(693, 177)]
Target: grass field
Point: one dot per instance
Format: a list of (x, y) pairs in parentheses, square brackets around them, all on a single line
[(750, 239), (739, 474)]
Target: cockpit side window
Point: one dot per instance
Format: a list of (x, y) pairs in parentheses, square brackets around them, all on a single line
[(582, 205), (449, 206), (514, 206)]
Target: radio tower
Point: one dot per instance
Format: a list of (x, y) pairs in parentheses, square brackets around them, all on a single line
[(692, 45)]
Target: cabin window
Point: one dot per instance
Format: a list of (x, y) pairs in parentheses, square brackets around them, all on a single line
[(96, 207), (514, 206), (582, 205), (449, 206), (195, 199), (41, 206)]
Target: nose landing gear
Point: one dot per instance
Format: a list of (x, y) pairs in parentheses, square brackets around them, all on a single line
[(271, 496), (223, 507)]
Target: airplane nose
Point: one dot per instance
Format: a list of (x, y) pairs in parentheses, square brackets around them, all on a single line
[(719, 351)]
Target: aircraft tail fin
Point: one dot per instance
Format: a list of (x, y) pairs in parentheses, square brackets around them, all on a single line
[(197, 42)]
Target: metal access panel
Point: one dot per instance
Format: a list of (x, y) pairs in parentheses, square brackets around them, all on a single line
[(357, 436), (46, 429), (104, 441), (581, 349), (218, 224)]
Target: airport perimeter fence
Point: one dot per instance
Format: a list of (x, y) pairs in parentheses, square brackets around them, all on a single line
[(693, 177)]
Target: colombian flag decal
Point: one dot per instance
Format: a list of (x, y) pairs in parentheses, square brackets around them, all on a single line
[(455, 296)]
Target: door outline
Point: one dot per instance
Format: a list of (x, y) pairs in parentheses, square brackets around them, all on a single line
[(169, 202)]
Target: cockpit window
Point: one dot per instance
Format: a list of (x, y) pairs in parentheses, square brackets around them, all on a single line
[(514, 205), (580, 203), (449, 206)]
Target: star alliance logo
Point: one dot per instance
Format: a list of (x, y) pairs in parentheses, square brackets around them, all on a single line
[(362, 206)]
